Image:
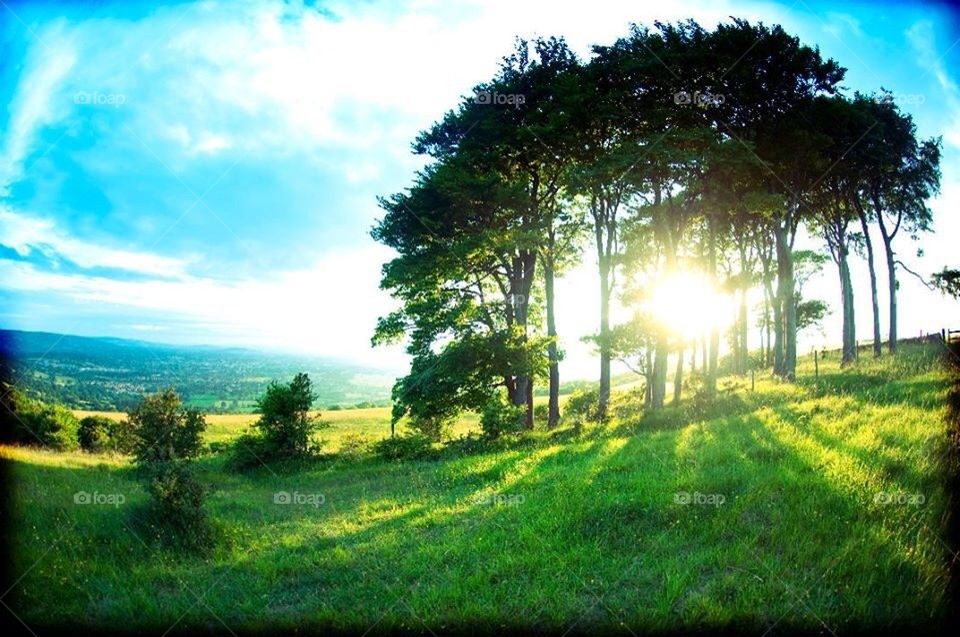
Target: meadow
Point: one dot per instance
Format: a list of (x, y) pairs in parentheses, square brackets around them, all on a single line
[(819, 505)]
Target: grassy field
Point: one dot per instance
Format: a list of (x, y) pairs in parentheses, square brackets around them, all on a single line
[(373, 422), (819, 505)]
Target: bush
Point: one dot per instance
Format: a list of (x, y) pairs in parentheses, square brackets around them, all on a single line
[(166, 437), (353, 445), (31, 422), (541, 413), (582, 406), (436, 428), (122, 437), (499, 416), (93, 434), (177, 503), (249, 451), (285, 422), (406, 446), (165, 431)]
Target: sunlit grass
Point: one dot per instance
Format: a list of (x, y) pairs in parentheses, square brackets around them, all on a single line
[(834, 494)]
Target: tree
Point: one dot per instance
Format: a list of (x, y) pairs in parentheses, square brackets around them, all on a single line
[(947, 281), (285, 421), (902, 175), (165, 430), (168, 437), (770, 89)]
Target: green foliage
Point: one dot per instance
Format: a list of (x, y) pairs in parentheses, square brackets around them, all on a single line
[(581, 407), (947, 281), (500, 416), (285, 422), (167, 437), (31, 422), (165, 430), (355, 445), (404, 447), (541, 413), (122, 437), (176, 507), (436, 428), (810, 313), (249, 451), (93, 433)]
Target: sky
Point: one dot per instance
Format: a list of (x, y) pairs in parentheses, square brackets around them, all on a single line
[(208, 172)]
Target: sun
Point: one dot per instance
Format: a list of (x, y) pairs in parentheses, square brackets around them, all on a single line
[(689, 304)]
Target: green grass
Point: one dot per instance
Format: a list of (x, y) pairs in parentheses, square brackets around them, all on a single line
[(587, 532)]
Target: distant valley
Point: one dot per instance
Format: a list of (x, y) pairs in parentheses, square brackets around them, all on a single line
[(101, 373)]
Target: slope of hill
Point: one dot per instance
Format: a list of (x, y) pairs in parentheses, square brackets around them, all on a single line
[(819, 505), (112, 373)]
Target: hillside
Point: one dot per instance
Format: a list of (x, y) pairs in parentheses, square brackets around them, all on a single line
[(796, 506)]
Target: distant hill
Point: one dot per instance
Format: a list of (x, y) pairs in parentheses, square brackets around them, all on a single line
[(112, 373)]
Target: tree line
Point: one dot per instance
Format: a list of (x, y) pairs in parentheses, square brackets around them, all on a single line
[(675, 148)]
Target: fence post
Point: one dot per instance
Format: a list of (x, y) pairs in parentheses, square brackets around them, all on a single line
[(816, 363)]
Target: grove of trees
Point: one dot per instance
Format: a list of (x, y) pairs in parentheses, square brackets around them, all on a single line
[(674, 149)]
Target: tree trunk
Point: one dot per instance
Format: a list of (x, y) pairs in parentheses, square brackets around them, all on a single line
[(604, 396), (875, 305), (704, 356), (659, 373), (524, 265), (648, 378), (786, 294), (891, 282), (553, 412), (710, 383), (678, 377), (742, 322), (846, 292)]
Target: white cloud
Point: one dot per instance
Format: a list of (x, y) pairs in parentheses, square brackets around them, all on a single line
[(922, 37), (24, 233), (327, 308), (35, 105)]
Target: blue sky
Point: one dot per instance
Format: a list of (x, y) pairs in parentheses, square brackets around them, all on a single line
[(208, 172)]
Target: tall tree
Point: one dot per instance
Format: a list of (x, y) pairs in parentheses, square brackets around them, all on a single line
[(769, 82), (902, 175)]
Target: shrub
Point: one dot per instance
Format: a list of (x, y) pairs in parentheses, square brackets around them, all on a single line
[(122, 437), (353, 445), (582, 406), (436, 428), (177, 503), (499, 416), (406, 446), (31, 422), (167, 437), (541, 413), (166, 431), (249, 451), (285, 422), (93, 434)]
